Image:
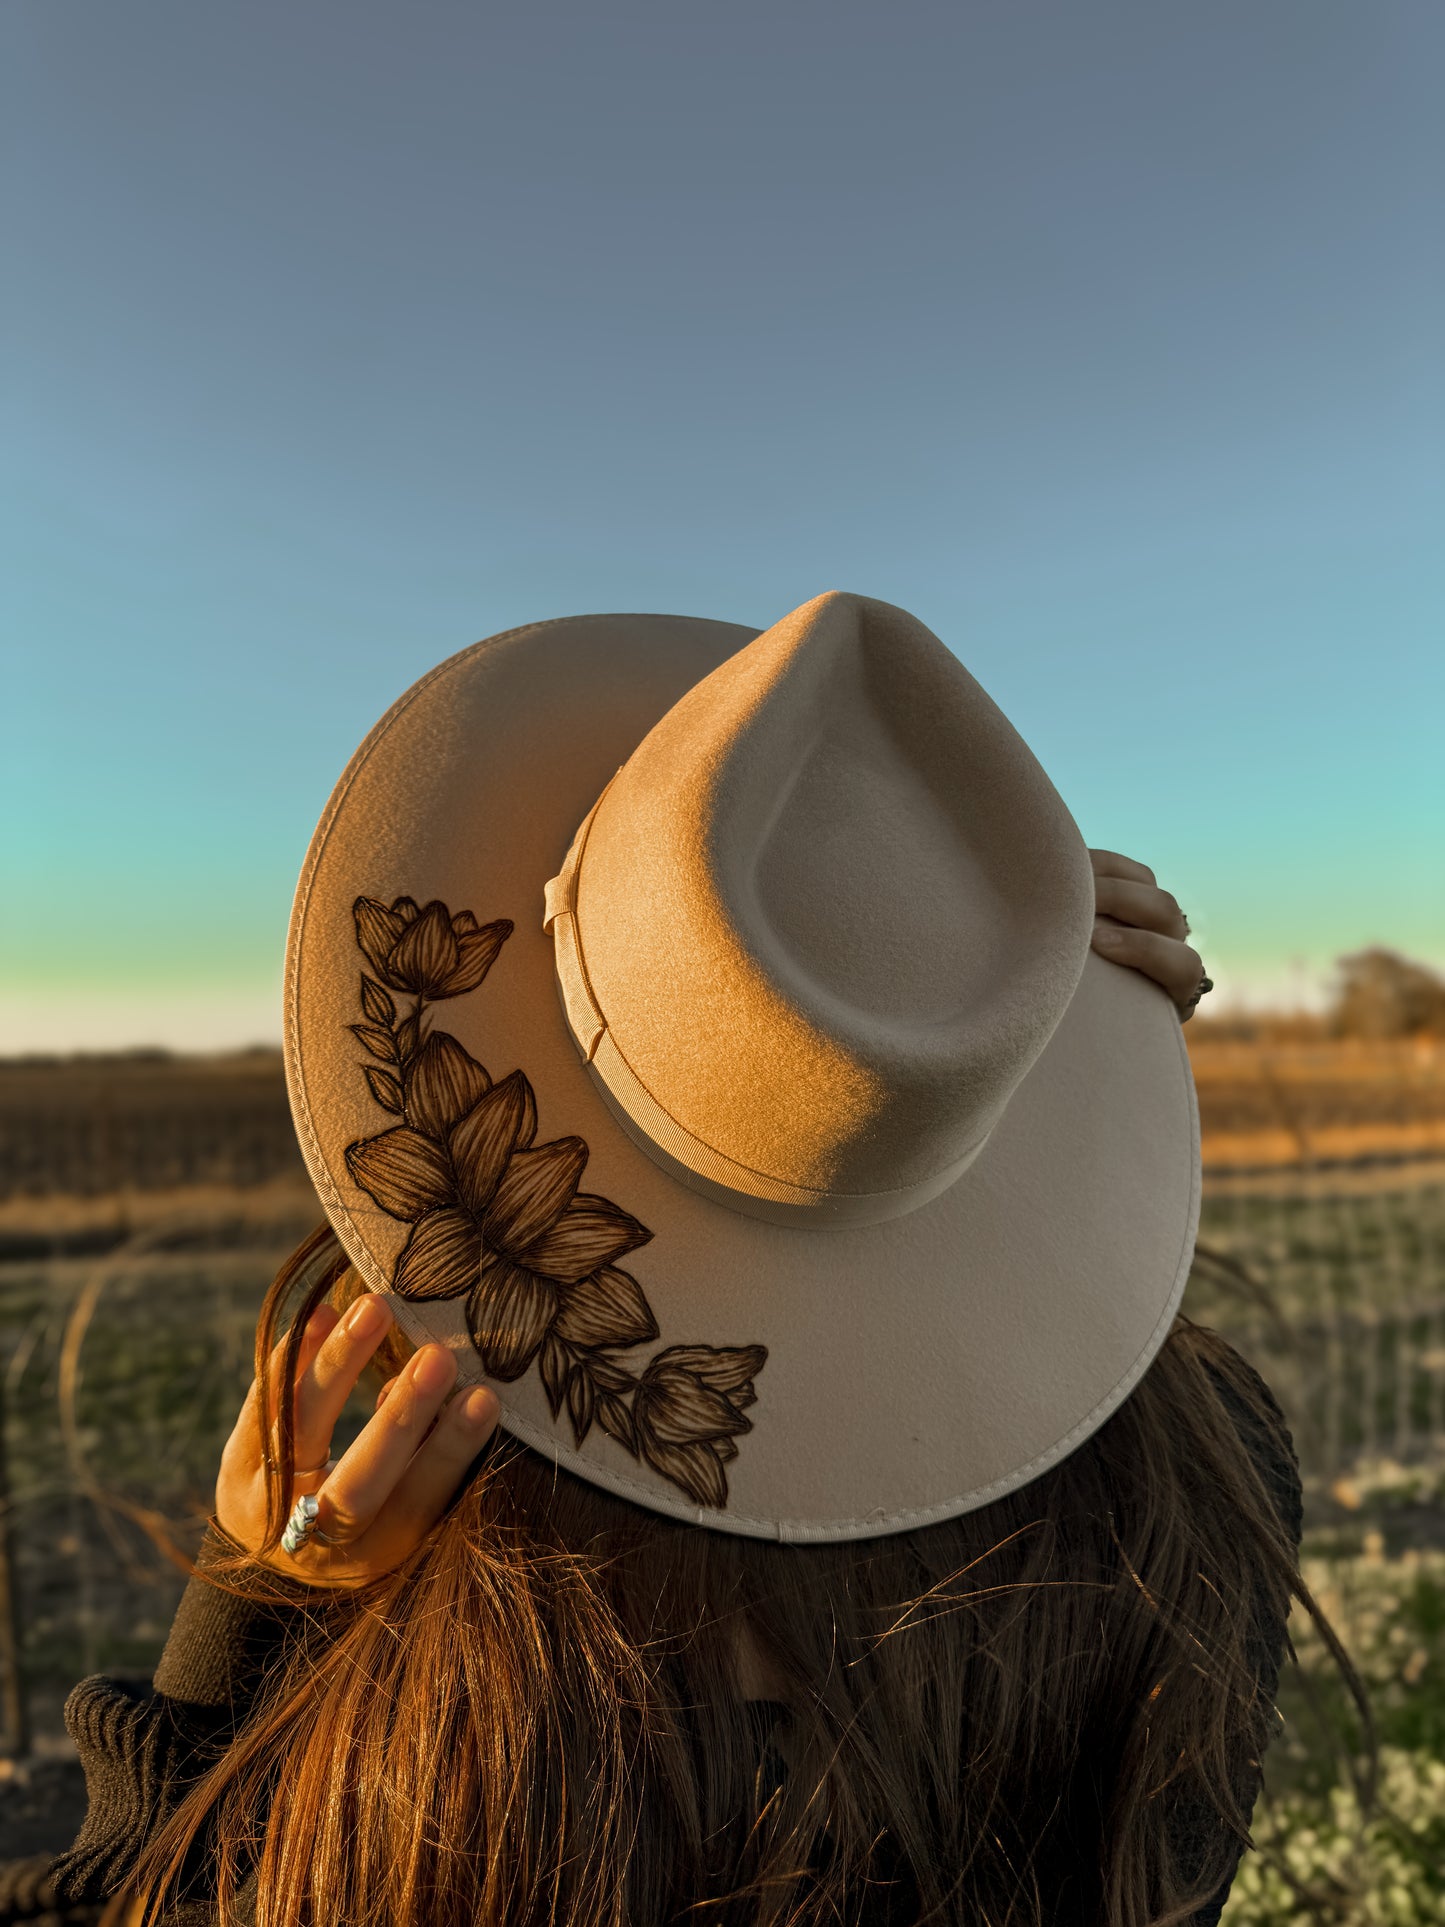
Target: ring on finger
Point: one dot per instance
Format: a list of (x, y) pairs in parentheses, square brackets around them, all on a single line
[(1206, 984), (301, 1527), (317, 1472)]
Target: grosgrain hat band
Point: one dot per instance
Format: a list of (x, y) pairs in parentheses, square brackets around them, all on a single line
[(670, 1144)]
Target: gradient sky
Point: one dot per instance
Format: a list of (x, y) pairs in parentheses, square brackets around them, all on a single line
[(1107, 339)]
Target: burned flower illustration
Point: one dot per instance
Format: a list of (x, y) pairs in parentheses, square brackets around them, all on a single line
[(498, 1221), (427, 951), (688, 1413), (600, 1315), (494, 1217)]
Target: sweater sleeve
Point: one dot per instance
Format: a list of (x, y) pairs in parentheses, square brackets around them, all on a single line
[(1274, 1456), (143, 1745)]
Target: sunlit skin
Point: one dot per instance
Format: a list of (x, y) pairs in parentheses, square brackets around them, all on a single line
[(393, 1483), (1138, 924)]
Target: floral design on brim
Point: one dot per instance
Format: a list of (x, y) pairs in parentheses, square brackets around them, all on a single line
[(498, 1221)]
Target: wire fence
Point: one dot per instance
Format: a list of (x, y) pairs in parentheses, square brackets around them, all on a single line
[(122, 1374), (144, 1214), (1338, 1298)]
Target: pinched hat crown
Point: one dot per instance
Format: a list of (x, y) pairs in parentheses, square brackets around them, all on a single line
[(823, 920), (822, 948)]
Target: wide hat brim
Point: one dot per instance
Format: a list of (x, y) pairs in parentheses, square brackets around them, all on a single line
[(915, 1369)]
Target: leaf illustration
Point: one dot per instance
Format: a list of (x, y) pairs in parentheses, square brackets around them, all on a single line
[(616, 1421), (379, 1042), (375, 1002), (554, 1365), (580, 1401), (386, 1089)]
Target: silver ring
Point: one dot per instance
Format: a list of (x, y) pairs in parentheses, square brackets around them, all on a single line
[(1206, 984), (301, 1526)]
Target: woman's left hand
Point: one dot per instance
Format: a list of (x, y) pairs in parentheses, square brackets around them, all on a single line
[(393, 1483), (1139, 925)]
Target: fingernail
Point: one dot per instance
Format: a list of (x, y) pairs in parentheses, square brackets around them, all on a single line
[(432, 1370), (368, 1315), (479, 1407), (1108, 933)]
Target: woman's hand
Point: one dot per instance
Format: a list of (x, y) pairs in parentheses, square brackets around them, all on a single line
[(1138, 924), (391, 1486)]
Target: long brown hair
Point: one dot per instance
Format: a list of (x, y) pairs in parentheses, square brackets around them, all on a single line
[(1037, 1712)]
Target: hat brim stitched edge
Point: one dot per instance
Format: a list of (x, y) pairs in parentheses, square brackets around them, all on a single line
[(915, 1369)]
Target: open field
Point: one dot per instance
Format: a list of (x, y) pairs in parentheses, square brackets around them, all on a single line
[(105, 1129), (1326, 1105), (145, 1204), (92, 1137)]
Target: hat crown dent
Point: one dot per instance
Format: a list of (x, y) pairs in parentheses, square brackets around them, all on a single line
[(832, 908), (921, 1362)]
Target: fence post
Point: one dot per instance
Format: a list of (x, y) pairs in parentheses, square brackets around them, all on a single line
[(12, 1678), (1402, 1383), (1370, 1390)]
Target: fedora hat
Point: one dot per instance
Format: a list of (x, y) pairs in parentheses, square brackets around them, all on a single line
[(696, 1029)]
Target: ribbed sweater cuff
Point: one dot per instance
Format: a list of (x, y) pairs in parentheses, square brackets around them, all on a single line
[(220, 1647)]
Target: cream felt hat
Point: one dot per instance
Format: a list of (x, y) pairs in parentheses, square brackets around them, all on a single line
[(697, 1030)]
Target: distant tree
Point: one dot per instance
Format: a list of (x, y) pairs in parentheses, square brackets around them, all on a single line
[(1382, 994)]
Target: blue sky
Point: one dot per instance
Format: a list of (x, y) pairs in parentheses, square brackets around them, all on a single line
[(1105, 339)]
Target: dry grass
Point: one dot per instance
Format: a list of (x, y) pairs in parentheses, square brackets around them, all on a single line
[(94, 1127), (69, 1222), (112, 1136), (1267, 1105)]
